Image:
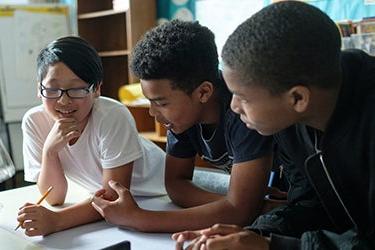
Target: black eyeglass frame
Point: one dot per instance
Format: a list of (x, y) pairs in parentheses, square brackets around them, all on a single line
[(62, 91)]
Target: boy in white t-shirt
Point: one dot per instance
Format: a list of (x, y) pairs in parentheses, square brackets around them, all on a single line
[(77, 134)]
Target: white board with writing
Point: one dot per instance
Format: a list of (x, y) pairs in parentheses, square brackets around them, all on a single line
[(24, 31)]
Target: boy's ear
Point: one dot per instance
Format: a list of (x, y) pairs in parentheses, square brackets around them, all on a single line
[(205, 91), (38, 91), (299, 98), (98, 89)]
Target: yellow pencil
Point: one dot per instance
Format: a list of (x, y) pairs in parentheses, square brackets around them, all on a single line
[(38, 202)]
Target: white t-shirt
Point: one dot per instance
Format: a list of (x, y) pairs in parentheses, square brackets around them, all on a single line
[(110, 139)]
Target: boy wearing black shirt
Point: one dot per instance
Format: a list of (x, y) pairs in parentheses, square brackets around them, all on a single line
[(289, 78)]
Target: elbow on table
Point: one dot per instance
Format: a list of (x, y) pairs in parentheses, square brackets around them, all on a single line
[(176, 193), (55, 201)]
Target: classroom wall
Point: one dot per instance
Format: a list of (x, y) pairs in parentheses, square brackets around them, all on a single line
[(343, 9)]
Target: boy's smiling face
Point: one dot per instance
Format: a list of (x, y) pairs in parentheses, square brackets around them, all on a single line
[(60, 76), (173, 108), (258, 108)]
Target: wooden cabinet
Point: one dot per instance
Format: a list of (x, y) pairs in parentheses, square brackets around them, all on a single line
[(113, 33)]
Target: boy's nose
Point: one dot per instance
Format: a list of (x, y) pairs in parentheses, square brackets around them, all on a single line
[(234, 105), (64, 99), (152, 111)]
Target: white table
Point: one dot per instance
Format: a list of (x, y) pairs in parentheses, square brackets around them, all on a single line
[(91, 236)]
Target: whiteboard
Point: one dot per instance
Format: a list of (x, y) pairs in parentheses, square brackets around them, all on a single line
[(24, 31)]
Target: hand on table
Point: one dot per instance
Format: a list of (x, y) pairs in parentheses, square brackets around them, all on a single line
[(220, 237), (37, 220), (274, 198), (120, 211)]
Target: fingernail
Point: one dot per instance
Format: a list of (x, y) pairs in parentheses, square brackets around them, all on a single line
[(180, 238), (111, 182)]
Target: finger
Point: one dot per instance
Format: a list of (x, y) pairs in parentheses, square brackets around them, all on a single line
[(67, 120), (100, 192), (28, 224), (100, 202), (28, 209), (119, 189), (201, 242), (27, 216), (98, 208), (221, 242), (175, 235), (179, 245), (26, 205), (72, 135), (222, 229), (33, 232), (186, 235)]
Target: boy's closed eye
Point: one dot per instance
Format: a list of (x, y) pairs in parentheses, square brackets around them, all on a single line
[(244, 101), (160, 104)]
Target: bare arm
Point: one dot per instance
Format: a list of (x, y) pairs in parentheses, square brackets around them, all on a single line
[(241, 205), (84, 213), (78, 214), (51, 172), (178, 182)]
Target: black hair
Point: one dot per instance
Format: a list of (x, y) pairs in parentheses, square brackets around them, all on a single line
[(285, 44), (180, 51), (77, 54)]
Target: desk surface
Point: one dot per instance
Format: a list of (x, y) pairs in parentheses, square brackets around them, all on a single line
[(91, 236)]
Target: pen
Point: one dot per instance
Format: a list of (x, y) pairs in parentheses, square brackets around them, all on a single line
[(38, 202)]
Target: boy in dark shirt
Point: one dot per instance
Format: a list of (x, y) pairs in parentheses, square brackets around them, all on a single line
[(289, 78), (177, 64)]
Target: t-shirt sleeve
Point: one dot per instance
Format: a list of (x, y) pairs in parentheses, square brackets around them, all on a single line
[(246, 144), (32, 147), (179, 145), (119, 142)]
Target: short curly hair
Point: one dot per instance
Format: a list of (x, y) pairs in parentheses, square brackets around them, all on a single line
[(180, 51), (285, 44)]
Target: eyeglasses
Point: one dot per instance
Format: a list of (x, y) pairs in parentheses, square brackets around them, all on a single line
[(74, 93)]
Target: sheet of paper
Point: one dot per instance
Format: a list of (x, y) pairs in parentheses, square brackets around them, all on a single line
[(10, 240)]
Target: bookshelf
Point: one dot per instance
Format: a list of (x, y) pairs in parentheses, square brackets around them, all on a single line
[(113, 33)]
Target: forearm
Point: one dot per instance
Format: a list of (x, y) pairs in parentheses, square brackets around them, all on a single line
[(178, 190), (78, 214), (52, 174), (194, 218)]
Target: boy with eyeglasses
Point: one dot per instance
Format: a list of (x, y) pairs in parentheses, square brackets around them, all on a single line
[(289, 78), (79, 135)]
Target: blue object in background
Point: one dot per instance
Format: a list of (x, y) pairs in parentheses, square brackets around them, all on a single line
[(342, 9), (175, 9)]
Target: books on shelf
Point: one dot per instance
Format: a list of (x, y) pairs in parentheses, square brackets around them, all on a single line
[(366, 26), (358, 35), (346, 28)]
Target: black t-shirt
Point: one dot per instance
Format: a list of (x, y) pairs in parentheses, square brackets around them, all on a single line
[(230, 142), (334, 170)]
